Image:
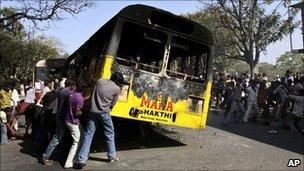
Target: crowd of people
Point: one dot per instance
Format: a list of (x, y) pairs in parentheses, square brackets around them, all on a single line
[(51, 108), (243, 98)]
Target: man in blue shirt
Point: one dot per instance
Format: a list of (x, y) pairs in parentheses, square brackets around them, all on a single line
[(62, 107)]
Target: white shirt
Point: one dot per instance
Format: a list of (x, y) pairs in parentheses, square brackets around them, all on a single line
[(15, 98), (3, 117), (45, 90), (265, 79), (290, 77), (30, 96), (62, 82)]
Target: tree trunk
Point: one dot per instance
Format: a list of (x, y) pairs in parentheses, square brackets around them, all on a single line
[(254, 68), (251, 64)]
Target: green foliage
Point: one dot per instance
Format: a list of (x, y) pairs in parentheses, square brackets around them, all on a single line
[(231, 65), (18, 54), (270, 70), (291, 61), (244, 28), (15, 27)]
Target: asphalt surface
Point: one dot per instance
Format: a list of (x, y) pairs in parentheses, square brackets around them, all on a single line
[(238, 147)]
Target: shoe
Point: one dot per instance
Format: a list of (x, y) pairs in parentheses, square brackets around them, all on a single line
[(79, 165), (273, 132), (110, 160), (68, 167), (46, 161)]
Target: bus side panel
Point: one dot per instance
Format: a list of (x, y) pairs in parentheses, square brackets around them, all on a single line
[(153, 108), (207, 98)]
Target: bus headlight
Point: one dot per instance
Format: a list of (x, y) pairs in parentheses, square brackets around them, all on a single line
[(195, 105)]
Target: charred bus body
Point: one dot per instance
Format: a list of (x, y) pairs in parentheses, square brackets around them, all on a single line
[(166, 61)]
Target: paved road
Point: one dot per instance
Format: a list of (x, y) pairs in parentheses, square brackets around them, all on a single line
[(239, 147)]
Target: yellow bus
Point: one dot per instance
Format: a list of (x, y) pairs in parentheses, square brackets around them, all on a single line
[(166, 61)]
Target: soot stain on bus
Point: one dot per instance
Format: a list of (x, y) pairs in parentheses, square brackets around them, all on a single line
[(154, 85)]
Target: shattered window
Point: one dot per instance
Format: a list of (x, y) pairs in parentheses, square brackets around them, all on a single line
[(141, 47), (187, 60)]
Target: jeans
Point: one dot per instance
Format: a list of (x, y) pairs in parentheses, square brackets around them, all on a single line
[(106, 121), (75, 132), (251, 106), (59, 133), (3, 134), (234, 104)]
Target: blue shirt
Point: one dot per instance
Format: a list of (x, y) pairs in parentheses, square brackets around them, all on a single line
[(63, 97)]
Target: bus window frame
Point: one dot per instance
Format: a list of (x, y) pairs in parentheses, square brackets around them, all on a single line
[(186, 76), (165, 61), (152, 27)]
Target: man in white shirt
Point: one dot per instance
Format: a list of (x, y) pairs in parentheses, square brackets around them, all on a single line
[(288, 76), (252, 104), (30, 94), (14, 102), (264, 77), (47, 88)]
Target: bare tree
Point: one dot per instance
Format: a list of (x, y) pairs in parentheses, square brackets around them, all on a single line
[(40, 10)]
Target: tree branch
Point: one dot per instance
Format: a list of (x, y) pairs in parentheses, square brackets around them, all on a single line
[(40, 11)]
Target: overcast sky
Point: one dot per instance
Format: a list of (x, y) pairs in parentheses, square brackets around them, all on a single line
[(74, 31)]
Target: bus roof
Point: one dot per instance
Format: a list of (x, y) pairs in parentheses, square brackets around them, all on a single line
[(166, 20), (157, 18)]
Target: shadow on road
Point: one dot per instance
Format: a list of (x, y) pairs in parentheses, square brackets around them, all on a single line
[(288, 140), (128, 137), (59, 153)]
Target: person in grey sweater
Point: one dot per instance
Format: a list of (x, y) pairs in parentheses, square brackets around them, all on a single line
[(103, 99), (235, 102)]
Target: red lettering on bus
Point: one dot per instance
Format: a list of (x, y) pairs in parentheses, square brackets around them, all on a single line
[(170, 106), (144, 102), (155, 104)]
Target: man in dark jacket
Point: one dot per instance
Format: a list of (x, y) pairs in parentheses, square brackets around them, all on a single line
[(62, 106)]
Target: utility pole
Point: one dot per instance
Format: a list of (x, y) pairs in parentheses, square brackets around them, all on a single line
[(0, 9), (299, 5)]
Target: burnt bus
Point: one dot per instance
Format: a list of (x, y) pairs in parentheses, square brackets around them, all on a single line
[(166, 61)]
